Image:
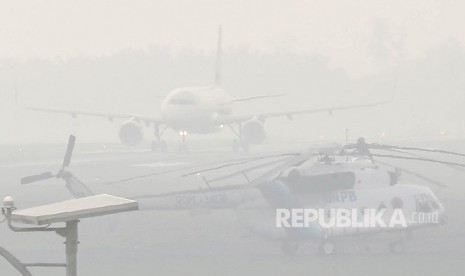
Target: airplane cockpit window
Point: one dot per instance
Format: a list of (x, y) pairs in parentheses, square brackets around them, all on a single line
[(181, 101), (183, 98), (322, 183)]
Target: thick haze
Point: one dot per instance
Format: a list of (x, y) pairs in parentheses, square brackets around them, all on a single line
[(124, 55)]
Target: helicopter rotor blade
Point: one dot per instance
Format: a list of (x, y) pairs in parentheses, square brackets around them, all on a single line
[(234, 162), (239, 163), (228, 163), (302, 156), (37, 177), (241, 172), (69, 151), (410, 158), (461, 169), (289, 162), (381, 146), (420, 159), (404, 170)]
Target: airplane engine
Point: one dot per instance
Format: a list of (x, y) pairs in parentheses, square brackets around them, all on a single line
[(253, 132), (130, 133)]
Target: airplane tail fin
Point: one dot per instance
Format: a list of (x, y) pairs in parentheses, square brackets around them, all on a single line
[(218, 57)]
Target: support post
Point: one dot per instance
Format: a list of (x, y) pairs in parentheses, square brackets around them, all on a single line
[(20, 267), (71, 247)]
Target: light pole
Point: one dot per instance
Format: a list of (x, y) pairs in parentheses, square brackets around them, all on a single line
[(68, 212)]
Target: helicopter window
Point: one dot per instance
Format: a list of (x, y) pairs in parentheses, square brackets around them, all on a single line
[(424, 203), (322, 183), (423, 207)]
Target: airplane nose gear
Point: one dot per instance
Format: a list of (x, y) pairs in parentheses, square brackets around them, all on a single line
[(183, 147)]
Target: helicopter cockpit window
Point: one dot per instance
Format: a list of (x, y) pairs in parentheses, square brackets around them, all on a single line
[(424, 207), (322, 183), (424, 203), (435, 205)]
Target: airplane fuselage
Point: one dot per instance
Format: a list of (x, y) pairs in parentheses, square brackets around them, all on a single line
[(195, 109)]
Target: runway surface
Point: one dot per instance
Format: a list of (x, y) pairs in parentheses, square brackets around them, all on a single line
[(204, 243)]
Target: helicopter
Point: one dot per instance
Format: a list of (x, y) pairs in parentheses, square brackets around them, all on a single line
[(325, 177)]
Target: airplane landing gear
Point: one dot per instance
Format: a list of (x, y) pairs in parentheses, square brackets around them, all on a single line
[(240, 145), (159, 146), (183, 146)]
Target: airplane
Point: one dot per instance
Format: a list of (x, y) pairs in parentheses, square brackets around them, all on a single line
[(199, 110), (324, 177)]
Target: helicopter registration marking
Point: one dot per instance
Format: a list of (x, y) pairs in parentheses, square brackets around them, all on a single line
[(200, 200), (341, 197)]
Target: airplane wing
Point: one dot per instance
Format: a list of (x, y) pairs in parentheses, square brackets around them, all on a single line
[(75, 113), (232, 119), (109, 115), (256, 97)]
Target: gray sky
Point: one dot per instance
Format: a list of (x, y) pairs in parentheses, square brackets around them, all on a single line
[(122, 56), (350, 33)]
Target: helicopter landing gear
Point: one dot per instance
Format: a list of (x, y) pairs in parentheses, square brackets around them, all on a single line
[(396, 247), (327, 247), (289, 247)]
